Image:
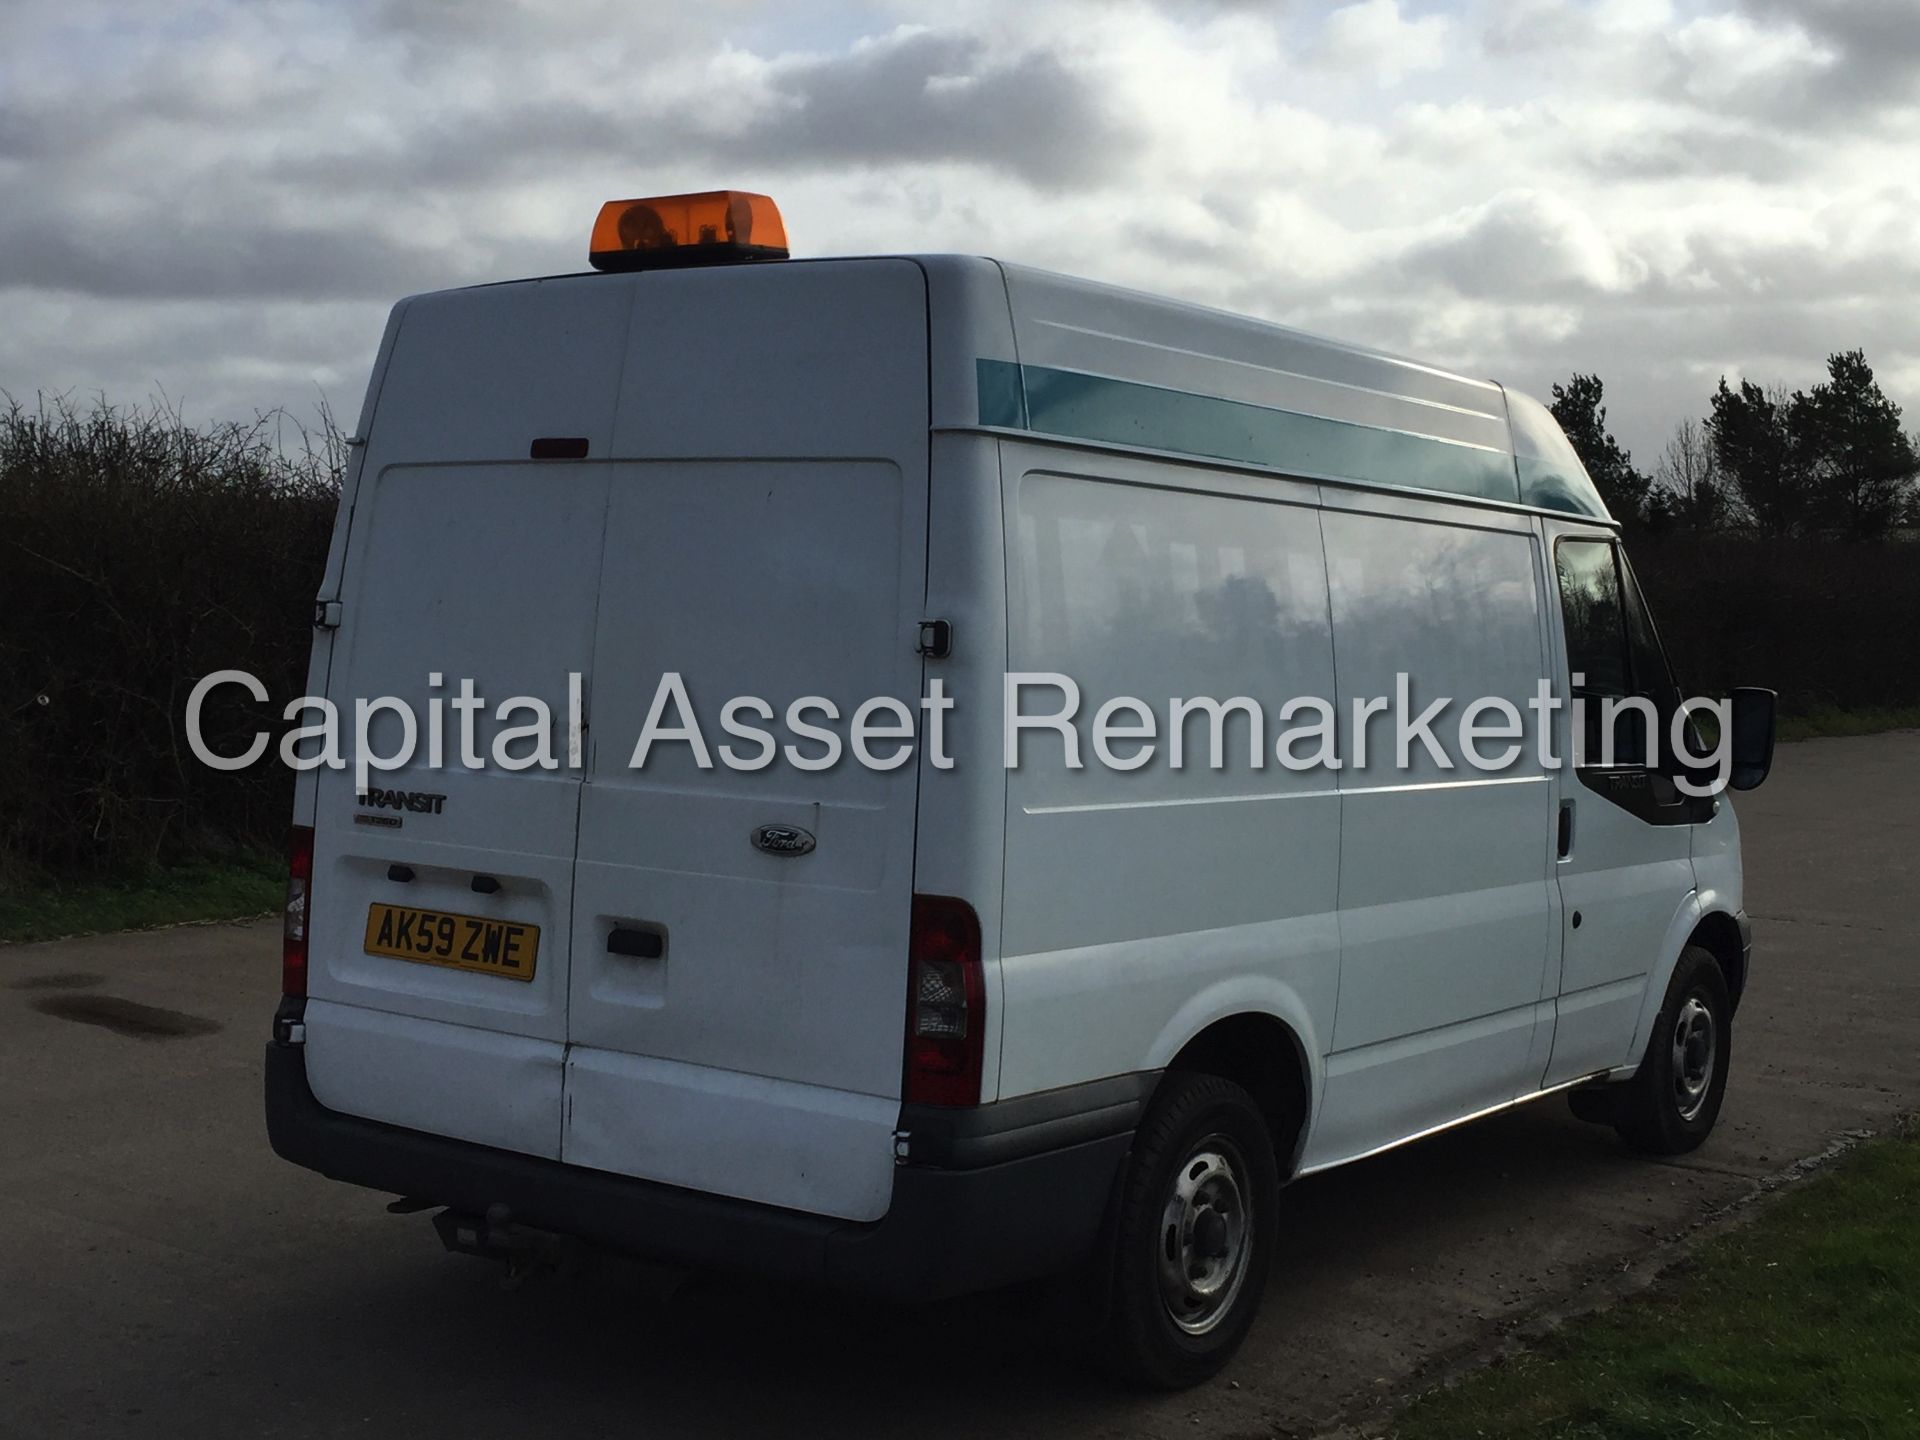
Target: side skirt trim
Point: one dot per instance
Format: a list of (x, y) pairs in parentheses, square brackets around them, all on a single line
[(1513, 1104)]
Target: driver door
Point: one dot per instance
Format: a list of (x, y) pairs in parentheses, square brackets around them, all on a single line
[(1625, 838)]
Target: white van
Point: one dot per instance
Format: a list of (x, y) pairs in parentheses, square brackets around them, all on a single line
[(957, 1023)]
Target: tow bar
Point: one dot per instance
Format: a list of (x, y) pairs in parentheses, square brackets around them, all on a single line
[(495, 1236)]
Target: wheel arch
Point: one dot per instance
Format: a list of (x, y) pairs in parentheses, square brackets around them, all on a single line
[(1720, 935), (1264, 1055), (1702, 920)]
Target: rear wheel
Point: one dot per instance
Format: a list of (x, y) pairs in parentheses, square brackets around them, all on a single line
[(1193, 1233), (1670, 1106)]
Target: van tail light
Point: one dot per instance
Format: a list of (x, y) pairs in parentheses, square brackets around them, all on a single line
[(293, 948), (946, 1004)]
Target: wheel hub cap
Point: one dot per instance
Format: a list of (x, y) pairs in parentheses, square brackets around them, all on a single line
[(1695, 1046), (1204, 1234)]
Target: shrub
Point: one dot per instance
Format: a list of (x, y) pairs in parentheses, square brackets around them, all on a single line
[(137, 554), (1830, 624)]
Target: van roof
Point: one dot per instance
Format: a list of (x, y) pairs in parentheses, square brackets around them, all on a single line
[(1058, 357)]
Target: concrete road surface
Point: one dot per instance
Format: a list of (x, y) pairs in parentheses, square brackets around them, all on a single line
[(161, 1273)]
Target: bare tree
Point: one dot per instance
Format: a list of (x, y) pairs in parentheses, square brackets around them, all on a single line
[(1694, 491)]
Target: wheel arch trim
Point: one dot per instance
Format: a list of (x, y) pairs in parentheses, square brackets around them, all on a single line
[(1703, 910), (1266, 999)]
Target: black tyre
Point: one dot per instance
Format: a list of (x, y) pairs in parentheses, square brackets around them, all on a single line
[(1670, 1106), (1192, 1235)]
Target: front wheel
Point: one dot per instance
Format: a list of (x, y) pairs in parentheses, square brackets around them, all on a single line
[(1670, 1106), (1193, 1233)]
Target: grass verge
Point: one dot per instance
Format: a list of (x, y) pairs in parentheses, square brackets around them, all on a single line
[(226, 889), (1824, 721), (1804, 1322)]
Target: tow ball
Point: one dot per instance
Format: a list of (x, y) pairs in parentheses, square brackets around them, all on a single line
[(496, 1236)]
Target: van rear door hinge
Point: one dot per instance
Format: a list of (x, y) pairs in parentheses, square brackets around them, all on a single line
[(326, 614), (936, 639)]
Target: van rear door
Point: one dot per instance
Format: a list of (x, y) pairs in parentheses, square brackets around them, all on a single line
[(465, 561), (737, 1010)]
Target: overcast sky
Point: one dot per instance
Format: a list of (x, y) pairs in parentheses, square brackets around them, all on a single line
[(220, 200)]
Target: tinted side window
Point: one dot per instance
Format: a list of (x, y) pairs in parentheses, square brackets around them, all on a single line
[(1596, 620), (1598, 653)]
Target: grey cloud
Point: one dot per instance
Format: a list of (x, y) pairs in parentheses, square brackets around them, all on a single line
[(935, 97), (918, 97), (160, 257), (446, 20), (1528, 29), (1276, 10), (528, 139), (1764, 274), (1531, 248), (436, 29), (247, 354), (1698, 149), (924, 97), (20, 138), (1519, 246), (1878, 42), (88, 125), (1875, 69)]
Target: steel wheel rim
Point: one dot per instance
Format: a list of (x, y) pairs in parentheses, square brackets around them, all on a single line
[(1695, 1049), (1206, 1234)]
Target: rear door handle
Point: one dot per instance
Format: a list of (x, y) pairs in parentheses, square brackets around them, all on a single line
[(637, 944), (1566, 828)]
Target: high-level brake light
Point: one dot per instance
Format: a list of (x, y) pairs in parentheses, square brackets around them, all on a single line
[(711, 228)]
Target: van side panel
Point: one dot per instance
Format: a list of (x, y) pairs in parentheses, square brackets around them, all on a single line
[(320, 658), (1107, 366), (1087, 328), (1444, 892), (1133, 893), (963, 807)]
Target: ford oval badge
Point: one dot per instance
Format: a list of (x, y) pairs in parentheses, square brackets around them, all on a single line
[(782, 840)]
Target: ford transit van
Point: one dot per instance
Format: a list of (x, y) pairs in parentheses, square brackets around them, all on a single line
[(916, 893)]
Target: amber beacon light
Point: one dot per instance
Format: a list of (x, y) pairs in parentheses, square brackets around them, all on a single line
[(715, 227)]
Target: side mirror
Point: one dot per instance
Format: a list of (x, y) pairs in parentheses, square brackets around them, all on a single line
[(1753, 731)]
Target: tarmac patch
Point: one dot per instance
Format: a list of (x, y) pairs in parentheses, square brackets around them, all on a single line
[(126, 1017)]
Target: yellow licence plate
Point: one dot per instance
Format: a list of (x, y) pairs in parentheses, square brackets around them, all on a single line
[(461, 942)]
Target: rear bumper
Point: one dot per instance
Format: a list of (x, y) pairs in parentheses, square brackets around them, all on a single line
[(1020, 1193)]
